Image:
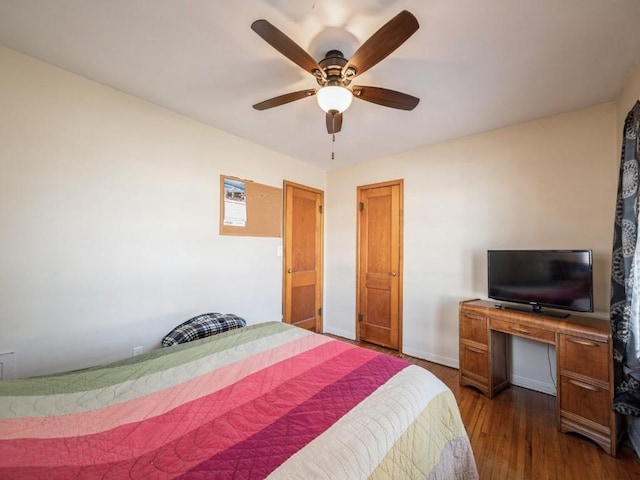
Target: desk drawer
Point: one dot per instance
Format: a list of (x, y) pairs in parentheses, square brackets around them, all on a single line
[(473, 327), (523, 331), (474, 361), (586, 400), (586, 357)]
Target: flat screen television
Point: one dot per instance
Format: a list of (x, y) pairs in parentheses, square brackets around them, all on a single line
[(558, 279)]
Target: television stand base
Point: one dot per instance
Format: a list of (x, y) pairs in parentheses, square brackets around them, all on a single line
[(536, 309)]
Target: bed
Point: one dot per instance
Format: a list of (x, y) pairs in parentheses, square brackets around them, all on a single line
[(265, 401)]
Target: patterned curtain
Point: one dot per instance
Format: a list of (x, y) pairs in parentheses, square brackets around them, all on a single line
[(625, 267)]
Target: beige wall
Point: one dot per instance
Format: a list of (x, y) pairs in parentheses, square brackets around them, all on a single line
[(109, 211), (629, 95), (544, 184)]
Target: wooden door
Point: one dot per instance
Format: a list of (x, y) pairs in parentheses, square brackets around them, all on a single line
[(379, 289), (302, 263)]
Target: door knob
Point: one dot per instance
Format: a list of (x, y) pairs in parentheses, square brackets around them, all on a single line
[(289, 271), (393, 274)]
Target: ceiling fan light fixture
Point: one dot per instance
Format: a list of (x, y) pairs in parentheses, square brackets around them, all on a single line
[(334, 98)]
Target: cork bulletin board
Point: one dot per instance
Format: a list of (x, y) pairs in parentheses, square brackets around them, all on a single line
[(249, 209)]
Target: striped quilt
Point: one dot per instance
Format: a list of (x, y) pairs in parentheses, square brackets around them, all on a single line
[(265, 401)]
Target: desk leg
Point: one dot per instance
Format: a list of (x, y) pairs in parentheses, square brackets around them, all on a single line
[(498, 362)]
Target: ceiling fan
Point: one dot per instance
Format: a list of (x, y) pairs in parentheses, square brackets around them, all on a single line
[(334, 73)]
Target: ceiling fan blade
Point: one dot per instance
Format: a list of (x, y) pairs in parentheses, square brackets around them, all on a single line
[(386, 97), (285, 46), (389, 37), (334, 122), (286, 98)]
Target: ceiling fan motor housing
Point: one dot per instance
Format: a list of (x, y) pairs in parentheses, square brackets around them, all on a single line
[(332, 65)]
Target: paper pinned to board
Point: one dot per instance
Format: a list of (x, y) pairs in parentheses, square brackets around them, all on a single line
[(235, 202)]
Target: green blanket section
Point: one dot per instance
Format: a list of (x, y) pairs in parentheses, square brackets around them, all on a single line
[(128, 369)]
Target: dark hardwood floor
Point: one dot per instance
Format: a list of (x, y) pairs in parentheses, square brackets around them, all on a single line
[(515, 436)]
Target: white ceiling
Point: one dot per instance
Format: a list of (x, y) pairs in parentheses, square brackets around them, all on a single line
[(476, 65)]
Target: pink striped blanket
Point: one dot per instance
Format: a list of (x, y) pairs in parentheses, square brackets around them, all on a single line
[(265, 401)]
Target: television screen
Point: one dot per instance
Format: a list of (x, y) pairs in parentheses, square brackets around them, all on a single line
[(559, 279)]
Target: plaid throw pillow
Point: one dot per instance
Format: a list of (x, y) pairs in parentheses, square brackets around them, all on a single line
[(202, 326)]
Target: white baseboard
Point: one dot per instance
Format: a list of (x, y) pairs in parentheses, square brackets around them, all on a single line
[(446, 361), (340, 333), (532, 384), (520, 381)]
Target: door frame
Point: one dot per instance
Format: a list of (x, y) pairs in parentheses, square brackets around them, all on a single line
[(400, 183), (319, 251)]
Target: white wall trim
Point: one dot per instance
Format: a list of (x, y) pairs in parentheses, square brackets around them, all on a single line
[(533, 384), (517, 380), (340, 333), (429, 357)]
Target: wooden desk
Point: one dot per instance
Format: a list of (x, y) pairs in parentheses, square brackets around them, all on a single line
[(583, 359)]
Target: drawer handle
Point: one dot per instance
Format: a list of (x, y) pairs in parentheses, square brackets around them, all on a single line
[(473, 349), (579, 341), (521, 330), (586, 386)]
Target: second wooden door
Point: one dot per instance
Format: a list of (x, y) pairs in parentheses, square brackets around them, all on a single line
[(379, 291)]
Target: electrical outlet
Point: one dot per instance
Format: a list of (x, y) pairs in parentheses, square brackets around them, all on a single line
[(137, 350), (7, 365)]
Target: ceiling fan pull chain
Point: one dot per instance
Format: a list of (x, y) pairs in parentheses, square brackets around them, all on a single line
[(333, 143)]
